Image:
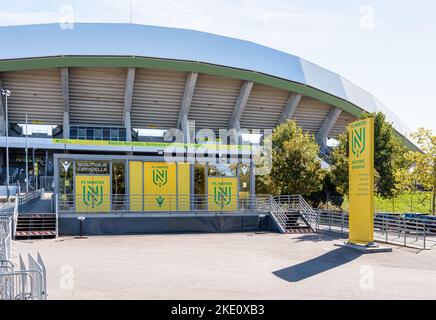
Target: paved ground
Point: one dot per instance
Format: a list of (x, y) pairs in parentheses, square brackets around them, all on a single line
[(229, 266)]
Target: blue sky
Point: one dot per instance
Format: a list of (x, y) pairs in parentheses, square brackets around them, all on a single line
[(386, 47)]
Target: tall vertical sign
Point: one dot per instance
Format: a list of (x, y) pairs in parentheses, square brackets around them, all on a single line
[(136, 185), (361, 183)]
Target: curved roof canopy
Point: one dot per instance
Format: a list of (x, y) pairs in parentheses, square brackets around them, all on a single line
[(37, 46)]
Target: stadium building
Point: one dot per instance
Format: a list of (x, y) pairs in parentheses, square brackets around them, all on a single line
[(98, 107)]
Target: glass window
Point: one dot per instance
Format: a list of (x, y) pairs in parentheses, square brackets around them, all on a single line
[(81, 133), (106, 134), (222, 170), (244, 178), (73, 132), (115, 134), (65, 177), (98, 134), (123, 135), (90, 133), (118, 177)]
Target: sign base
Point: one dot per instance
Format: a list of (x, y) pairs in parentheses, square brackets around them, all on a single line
[(369, 248)]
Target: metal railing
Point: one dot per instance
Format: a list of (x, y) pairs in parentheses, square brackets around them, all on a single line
[(285, 210), (297, 202), (392, 229), (278, 214), (68, 203), (26, 199)]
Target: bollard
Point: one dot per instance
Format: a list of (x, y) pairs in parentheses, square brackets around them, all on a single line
[(81, 219)]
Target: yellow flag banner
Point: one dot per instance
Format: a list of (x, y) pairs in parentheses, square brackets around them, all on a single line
[(222, 194), (135, 180), (361, 181), (93, 193), (160, 188)]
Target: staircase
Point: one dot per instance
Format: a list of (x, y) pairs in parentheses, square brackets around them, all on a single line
[(35, 219), (36, 226), (293, 214)]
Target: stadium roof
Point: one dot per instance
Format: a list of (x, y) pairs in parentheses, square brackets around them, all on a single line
[(129, 45)]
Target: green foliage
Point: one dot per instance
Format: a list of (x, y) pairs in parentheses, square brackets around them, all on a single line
[(406, 202), (328, 194), (388, 158), (423, 171), (296, 168)]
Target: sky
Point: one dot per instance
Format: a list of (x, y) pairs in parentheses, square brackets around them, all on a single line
[(386, 47)]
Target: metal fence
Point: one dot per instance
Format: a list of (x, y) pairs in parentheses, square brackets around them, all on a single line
[(5, 236), (27, 283), (388, 228)]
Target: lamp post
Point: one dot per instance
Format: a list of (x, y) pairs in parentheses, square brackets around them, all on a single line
[(27, 160), (7, 93)]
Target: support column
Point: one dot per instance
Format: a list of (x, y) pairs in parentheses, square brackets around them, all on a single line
[(2, 112), (326, 127), (128, 96), (290, 107), (66, 102), (253, 184)]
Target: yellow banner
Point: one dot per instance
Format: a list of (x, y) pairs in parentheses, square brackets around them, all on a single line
[(144, 144), (93, 193), (135, 184), (184, 186), (222, 193), (160, 186), (361, 181)]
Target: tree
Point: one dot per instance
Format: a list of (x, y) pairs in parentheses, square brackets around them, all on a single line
[(423, 170), (296, 168), (388, 158)]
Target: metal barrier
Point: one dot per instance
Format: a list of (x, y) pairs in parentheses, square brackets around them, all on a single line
[(392, 229), (5, 237), (28, 283)]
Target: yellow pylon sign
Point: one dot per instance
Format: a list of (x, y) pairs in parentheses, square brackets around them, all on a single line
[(361, 183)]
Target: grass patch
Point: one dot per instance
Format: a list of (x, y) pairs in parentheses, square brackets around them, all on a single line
[(419, 202)]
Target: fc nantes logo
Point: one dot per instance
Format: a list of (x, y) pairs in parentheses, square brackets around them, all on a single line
[(222, 196), (160, 176), (358, 142), (93, 197)]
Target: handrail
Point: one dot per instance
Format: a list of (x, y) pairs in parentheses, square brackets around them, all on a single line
[(297, 202)]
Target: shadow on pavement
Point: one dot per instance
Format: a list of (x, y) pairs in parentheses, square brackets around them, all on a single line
[(325, 262), (316, 237)]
